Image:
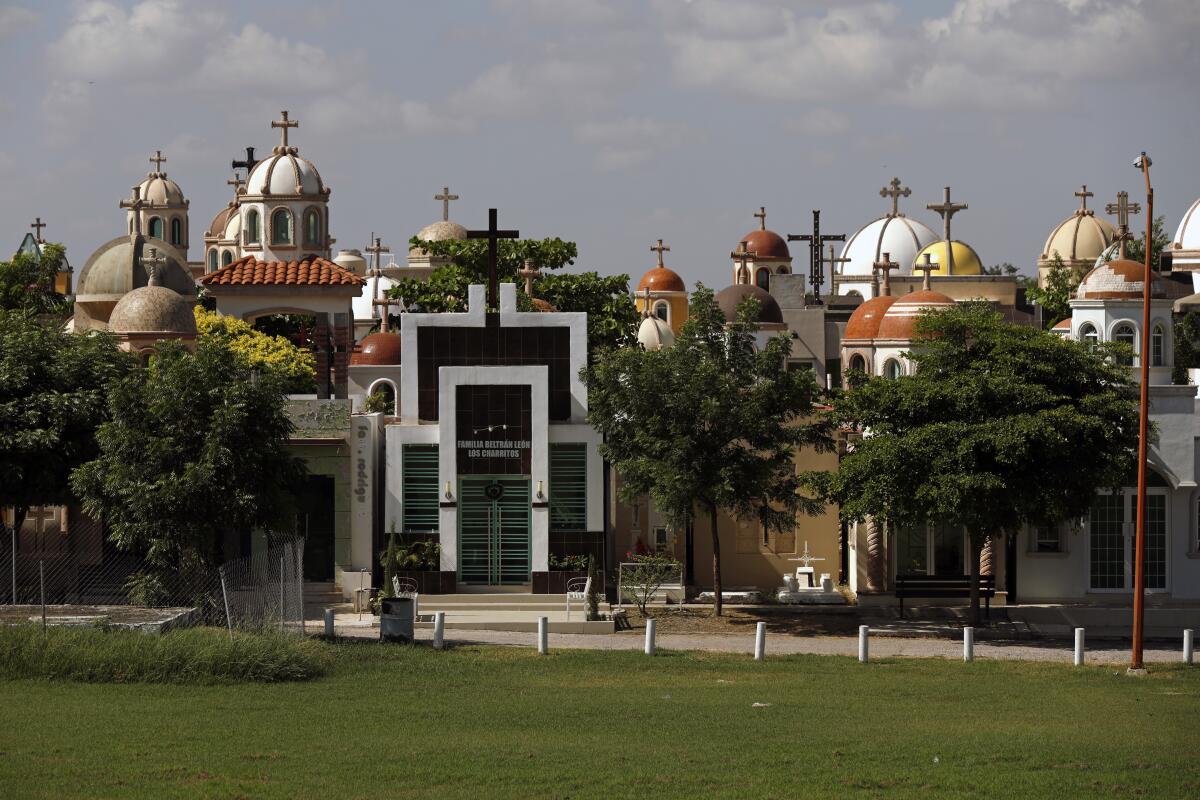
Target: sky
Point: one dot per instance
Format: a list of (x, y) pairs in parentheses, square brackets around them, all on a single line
[(611, 124)]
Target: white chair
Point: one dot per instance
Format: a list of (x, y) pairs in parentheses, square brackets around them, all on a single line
[(578, 589), (406, 587)]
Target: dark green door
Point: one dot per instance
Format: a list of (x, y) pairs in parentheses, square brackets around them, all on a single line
[(493, 531), (314, 521)]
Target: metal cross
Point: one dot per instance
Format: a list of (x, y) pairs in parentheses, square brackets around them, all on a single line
[(493, 235), (387, 303), (895, 191), (927, 266), (1123, 208), (377, 249), (762, 218), (886, 266), (135, 204), (153, 263), (1083, 194), (742, 255), (661, 248), (38, 225), (284, 124), (529, 272), (816, 244), (157, 160), (947, 210), (445, 197), (806, 559), (248, 164)]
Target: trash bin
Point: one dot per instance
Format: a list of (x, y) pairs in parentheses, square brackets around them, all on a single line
[(396, 619)]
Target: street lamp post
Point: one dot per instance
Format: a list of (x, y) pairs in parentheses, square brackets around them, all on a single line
[(1142, 163)]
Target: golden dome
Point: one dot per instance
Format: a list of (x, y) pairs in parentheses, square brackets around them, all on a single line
[(966, 260)]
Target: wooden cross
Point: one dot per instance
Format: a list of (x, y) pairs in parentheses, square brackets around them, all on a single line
[(886, 266), (157, 160), (248, 164), (762, 218), (153, 263), (947, 210), (284, 124), (445, 197), (38, 225), (378, 249), (895, 191), (529, 272), (816, 244), (135, 204), (742, 255), (660, 248), (387, 303), (927, 266), (1083, 194), (1123, 208), (493, 235)]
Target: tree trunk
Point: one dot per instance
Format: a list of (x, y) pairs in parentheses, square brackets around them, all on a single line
[(716, 547), (976, 546)]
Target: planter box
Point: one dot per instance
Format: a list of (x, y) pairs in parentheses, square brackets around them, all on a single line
[(428, 581), (555, 581)]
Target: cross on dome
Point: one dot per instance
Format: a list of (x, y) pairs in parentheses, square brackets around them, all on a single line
[(833, 260), (1083, 194), (153, 265), (895, 191), (135, 204), (445, 197), (928, 267), (157, 160), (377, 248), (37, 226), (886, 265), (283, 125), (529, 272), (661, 248), (1123, 208), (762, 218), (386, 303), (947, 210), (742, 255), (236, 182)]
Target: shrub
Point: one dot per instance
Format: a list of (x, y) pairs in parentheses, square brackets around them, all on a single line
[(192, 656), (569, 563), (379, 403), (147, 590), (421, 555), (641, 582)]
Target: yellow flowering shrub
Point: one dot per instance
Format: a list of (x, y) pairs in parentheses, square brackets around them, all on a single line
[(275, 353)]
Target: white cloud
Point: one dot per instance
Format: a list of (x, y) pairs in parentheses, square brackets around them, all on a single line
[(629, 142), (14, 19), (260, 62), (820, 122)]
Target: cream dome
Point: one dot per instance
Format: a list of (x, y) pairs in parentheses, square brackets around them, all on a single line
[(153, 309), (1080, 237), (441, 231), (284, 172), (159, 191), (654, 334)]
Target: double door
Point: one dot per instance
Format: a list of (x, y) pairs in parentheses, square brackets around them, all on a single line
[(493, 531), (1111, 534)]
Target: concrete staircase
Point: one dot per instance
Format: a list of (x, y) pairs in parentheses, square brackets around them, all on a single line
[(319, 595), (509, 612)]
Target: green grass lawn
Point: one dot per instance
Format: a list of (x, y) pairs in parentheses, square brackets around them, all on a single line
[(393, 721)]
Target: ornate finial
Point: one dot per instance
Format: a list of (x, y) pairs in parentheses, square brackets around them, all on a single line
[(660, 248), (529, 272), (284, 124), (1083, 194), (886, 265), (157, 160), (895, 191), (762, 218), (742, 255), (153, 265), (1123, 208), (37, 226), (927, 266), (445, 197)]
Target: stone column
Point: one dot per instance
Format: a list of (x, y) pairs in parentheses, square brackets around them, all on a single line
[(876, 556), (343, 341), (985, 559), (321, 346)]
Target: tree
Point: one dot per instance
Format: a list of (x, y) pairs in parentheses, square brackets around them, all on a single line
[(612, 317), (1187, 346), (1135, 250), (1005, 268), (52, 398), (1000, 426), (27, 282), (1055, 297), (710, 423), (295, 366), (195, 446)]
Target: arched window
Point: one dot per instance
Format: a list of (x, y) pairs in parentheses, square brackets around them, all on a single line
[(156, 227), (1087, 334), (176, 231), (212, 260), (662, 311), (226, 258), (312, 227), (253, 232), (1124, 334), (783, 270), (763, 278), (281, 227), (858, 363), (891, 369), (1157, 347)]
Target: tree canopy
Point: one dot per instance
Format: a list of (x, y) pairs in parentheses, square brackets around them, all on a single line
[(1135, 250), (612, 316), (295, 366), (711, 423), (1000, 426), (27, 282), (53, 395), (1055, 296)]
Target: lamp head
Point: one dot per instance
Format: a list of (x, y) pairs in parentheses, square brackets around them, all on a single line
[(1142, 161)]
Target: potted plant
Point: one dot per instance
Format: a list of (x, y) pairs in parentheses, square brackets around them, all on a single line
[(563, 568), (419, 559)]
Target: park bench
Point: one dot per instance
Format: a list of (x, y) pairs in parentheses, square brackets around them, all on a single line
[(943, 586), (578, 590)]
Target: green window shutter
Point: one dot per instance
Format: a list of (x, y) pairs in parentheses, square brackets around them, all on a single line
[(568, 487), (420, 486)]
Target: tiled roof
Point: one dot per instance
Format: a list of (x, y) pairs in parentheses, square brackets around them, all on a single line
[(311, 271)]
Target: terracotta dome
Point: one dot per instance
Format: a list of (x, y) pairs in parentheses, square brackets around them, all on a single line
[(864, 322), (1118, 280), (377, 350), (767, 245), (1062, 327), (899, 320), (661, 279), (154, 309), (218, 224), (731, 296), (542, 306)]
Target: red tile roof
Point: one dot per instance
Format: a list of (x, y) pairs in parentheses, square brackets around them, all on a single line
[(311, 271)]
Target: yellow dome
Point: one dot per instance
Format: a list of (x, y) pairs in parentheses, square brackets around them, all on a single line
[(966, 260)]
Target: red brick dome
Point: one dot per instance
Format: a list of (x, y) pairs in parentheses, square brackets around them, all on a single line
[(767, 246), (1118, 280), (378, 350), (661, 279), (864, 322)]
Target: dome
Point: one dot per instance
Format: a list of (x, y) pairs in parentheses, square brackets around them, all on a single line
[(661, 279), (1080, 237), (864, 322), (153, 309), (284, 173), (731, 297), (966, 260), (111, 269), (374, 287), (1187, 235), (352, 260), (379, 349), (1118, 280), (899, 320), (217, 227), (158, 190), (654, 334), (767, 245), (1062, 327), (441, 231), (902, 238), (543, 306), (233, 228)]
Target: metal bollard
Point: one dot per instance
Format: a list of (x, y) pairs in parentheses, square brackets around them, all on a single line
[(543, 635), (329, 632), (651, 630), (968, 644), (439, 630), (1079, 647), (1189, 639), (760, 641), (863, 632)]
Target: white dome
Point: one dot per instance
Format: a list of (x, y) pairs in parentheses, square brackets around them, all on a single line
[(160, 191), (233, 228), (902, 238), (1187, 235), (362, 305), (284, 173), (654, 334)]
